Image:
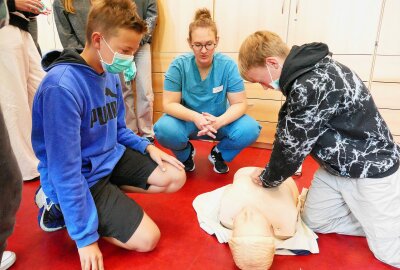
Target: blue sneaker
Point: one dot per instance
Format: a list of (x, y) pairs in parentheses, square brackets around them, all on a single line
[(50, 217)]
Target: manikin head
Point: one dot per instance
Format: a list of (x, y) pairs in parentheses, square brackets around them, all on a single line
[(252, 244)]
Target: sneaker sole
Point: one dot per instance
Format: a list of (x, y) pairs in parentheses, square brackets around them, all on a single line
[(213, 163), (8, 262)]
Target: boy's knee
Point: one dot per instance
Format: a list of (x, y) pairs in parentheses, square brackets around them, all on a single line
[(147, 242), (176, 180)]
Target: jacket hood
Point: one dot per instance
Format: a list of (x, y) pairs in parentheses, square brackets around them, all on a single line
[(300, 60), (70, 56)]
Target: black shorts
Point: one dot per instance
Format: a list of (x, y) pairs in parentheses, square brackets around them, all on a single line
[(119, 216)]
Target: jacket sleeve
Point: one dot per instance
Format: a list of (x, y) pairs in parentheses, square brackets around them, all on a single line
[(61, 125), (301, 121), (66, 33), (151, 20)]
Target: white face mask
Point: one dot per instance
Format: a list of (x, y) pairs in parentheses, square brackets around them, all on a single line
[(274, 83)]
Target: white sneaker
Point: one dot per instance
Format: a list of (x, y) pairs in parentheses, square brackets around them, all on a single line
[(7, 260)]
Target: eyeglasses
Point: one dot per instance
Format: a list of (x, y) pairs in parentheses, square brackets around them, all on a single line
[(198, 46)]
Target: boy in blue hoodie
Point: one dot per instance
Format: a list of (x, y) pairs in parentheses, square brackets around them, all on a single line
[(86, 152)]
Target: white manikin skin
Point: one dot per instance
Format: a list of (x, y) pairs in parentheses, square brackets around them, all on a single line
[(278, 204)]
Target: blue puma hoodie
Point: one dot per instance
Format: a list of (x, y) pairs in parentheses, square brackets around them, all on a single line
[(79, 135)]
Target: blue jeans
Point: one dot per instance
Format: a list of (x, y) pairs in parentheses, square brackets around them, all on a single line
[(174, 134)]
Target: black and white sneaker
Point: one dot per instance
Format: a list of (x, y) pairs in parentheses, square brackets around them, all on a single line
[(216, 159), (189, 163)]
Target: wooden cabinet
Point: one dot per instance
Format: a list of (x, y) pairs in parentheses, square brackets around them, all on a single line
[(348, 27), (174, 17), (237, 19), (389, 38), (385, 87)]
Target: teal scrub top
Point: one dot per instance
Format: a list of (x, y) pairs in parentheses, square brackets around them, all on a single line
[(209, 95)]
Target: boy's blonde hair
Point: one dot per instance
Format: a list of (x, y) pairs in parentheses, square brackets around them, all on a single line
[(257, 47), (107, 16), (202, 18)]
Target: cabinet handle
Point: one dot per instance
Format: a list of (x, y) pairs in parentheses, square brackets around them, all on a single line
[(283, 5), (297, 6)]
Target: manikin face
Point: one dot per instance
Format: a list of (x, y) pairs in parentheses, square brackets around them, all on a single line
[(203, 44), (126, 42), (264, 75)]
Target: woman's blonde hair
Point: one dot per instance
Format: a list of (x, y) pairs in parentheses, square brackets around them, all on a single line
[(69, 6), (202, 18), (107, 16), (257, 47)]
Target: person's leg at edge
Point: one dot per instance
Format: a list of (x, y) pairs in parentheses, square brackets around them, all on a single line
[(144, 91), (376, 204), (11, 191), (129, 101)]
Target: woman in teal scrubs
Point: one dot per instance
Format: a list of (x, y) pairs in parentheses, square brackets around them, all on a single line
[(204, 98)]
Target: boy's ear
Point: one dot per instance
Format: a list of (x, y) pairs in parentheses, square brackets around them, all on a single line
[(96, 37), (271, 61)]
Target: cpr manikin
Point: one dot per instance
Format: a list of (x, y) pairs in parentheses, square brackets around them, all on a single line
[(257, 215)]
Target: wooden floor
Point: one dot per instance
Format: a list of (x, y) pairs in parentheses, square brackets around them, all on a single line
[(183, 244)]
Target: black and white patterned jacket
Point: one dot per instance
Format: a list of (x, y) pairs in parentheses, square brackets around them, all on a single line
[(330, 114)]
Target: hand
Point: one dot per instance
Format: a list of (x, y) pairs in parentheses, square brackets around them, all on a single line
[(91, 257), (200, 121), (32, 6), (159, 156), (209, 125), (215, 121), (255, 176)]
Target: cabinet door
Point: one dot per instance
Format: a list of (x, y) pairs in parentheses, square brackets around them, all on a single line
[(236, 19), (389, 39), (388, 53), (387, 68), (174, 18), (348, 27)]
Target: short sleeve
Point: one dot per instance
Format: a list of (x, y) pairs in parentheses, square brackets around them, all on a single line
[(173, 77)]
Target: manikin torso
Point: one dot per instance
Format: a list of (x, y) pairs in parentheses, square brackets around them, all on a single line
[(278, 205)]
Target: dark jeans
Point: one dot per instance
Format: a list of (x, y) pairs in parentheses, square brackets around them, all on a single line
[(10, 186)]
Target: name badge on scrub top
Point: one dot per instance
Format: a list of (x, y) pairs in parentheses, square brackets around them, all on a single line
[(218, 89)]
